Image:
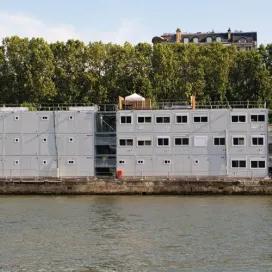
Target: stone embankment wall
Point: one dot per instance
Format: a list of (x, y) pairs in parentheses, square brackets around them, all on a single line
[(183, 186)]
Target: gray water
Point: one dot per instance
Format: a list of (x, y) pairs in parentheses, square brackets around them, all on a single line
[(127, 233)]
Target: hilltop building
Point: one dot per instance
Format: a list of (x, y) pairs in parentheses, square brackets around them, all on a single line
[(243, 40)]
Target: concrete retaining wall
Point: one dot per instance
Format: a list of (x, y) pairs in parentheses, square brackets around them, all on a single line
[(137, 186)]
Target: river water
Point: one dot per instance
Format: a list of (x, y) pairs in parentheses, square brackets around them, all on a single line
[(135, 233)]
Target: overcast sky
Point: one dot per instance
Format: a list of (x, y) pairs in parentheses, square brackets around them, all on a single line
[(131, 20)]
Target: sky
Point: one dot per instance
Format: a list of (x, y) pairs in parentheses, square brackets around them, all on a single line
[(135, 21)]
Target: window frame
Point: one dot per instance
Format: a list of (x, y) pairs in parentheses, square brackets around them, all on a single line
[(238, 114), (144, 116), (258, 114), (182, 137), (125, 139), (258, 160), (201, 116), (239, 160), (126, 115), (163, 137), (219, 137), (257, 136), (199, 137), (163, 116), (180, 115), (144, 139), (238, 136)]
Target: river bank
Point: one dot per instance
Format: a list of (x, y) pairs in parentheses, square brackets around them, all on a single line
[(151, 186)]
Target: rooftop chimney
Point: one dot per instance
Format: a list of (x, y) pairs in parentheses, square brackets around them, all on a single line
[(178, 35)]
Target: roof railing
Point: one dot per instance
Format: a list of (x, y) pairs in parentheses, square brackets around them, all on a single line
[(161, 105)]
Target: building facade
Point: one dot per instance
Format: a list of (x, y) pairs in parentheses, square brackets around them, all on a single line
[(243, 40), (172, 143), (47, 143), (141, 142)]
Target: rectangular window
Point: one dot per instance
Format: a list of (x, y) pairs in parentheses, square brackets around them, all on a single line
[(219, 141), (257, 164), (126, 142), (144, 119), (181, 119), (182, 141), (238, 118), (257, 118), (163, 141), (236, 141), (256, 141), (144, 142), (238, 163), (126, 119), (200, 119), (163, 119), (200, 141)]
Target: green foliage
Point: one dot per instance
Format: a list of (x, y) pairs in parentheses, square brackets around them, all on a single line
[(35, 72)]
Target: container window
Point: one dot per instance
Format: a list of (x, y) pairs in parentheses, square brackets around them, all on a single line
[(200, 119), (163, 141), (182, 141), (257, 118), (257, 141), (126, 119), (238, 163), (126, 142), (163, 119), (236, 141), (238, 118), (257, 164), (144, 119), (181, 119), (219, 141)]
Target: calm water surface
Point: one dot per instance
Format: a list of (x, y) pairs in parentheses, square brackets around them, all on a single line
[(120, 233)]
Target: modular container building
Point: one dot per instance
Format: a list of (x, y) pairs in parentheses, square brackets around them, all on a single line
[(139, 139), (193, 142), (47, 143)]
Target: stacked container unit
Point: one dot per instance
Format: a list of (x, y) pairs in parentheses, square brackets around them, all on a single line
[(47, 143), (202, 142)]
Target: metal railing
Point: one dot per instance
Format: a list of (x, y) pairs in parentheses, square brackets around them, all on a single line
[(160, 105), (184, 105)]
